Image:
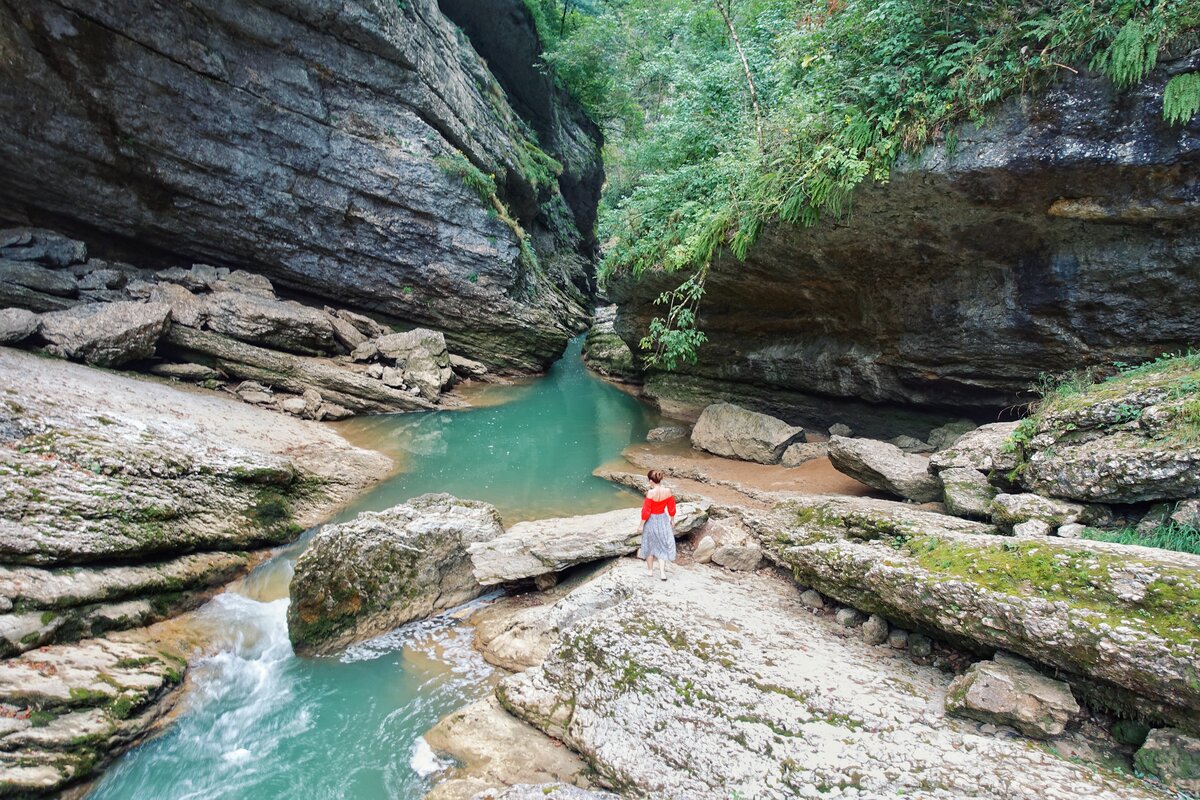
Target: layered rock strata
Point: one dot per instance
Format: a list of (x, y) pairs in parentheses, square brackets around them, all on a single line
[(124, 502), (1120, 618), (1062, 232), (337, 165), (214, 326)]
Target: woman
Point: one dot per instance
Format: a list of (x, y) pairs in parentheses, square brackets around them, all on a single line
[(658, 526)]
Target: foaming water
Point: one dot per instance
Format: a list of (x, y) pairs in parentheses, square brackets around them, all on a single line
[(260, 723)]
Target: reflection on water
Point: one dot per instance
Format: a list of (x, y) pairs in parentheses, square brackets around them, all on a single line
[(261, 723), (532, 456)]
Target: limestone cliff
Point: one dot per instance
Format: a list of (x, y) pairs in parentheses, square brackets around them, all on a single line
[(321, 143), (1065, 231)]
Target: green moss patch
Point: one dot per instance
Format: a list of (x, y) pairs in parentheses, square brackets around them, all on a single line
[(1169, 609)]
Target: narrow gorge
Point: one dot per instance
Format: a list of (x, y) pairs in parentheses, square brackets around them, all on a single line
[(340, 341)]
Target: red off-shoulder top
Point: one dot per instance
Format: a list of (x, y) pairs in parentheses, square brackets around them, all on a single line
[(657, 507)]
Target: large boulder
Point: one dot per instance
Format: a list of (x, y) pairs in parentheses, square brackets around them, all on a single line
[(277, 324), (1013, 509), (41, 245), (734, 432), (987, 448), (885, 467), (530, 549), (1173, 757), (1111, 615), (946, 435), (1122, 467), (384, 568), (1007, 691), (422, 359), (105, 334)]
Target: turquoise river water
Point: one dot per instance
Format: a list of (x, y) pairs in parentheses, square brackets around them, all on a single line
[(260, 723)]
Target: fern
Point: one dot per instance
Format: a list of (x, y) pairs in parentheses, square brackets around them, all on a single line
[(1131, 55), (1181, 98)]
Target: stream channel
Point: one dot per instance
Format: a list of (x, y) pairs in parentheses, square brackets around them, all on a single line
[(259, 723)]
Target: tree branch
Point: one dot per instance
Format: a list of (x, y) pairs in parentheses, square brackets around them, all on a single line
[(725, 15)]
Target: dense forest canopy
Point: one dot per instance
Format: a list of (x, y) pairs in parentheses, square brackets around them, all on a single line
[(723, 116)]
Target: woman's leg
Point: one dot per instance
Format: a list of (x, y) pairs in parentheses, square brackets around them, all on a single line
[(662, 568), (650, 564)]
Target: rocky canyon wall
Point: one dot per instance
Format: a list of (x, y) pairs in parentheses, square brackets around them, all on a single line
[(320, 143), (1064, 232)]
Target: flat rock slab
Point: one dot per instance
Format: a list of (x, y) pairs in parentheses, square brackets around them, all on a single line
[(716, 684), (529, 549)]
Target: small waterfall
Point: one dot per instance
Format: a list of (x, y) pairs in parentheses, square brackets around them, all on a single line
[(261, 723)]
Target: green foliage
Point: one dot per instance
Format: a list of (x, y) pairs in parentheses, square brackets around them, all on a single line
[(845, 88), (1132, 54), (457, 165), (1181, 98), (676, 339), (1168, 536), (1171, 382)]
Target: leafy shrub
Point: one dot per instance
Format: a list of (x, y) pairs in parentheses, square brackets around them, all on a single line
[(705, 149)]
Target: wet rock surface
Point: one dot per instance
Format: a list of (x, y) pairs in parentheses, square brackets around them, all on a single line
[(126, 499), (496, 749), (71, 709), (381, 569)]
